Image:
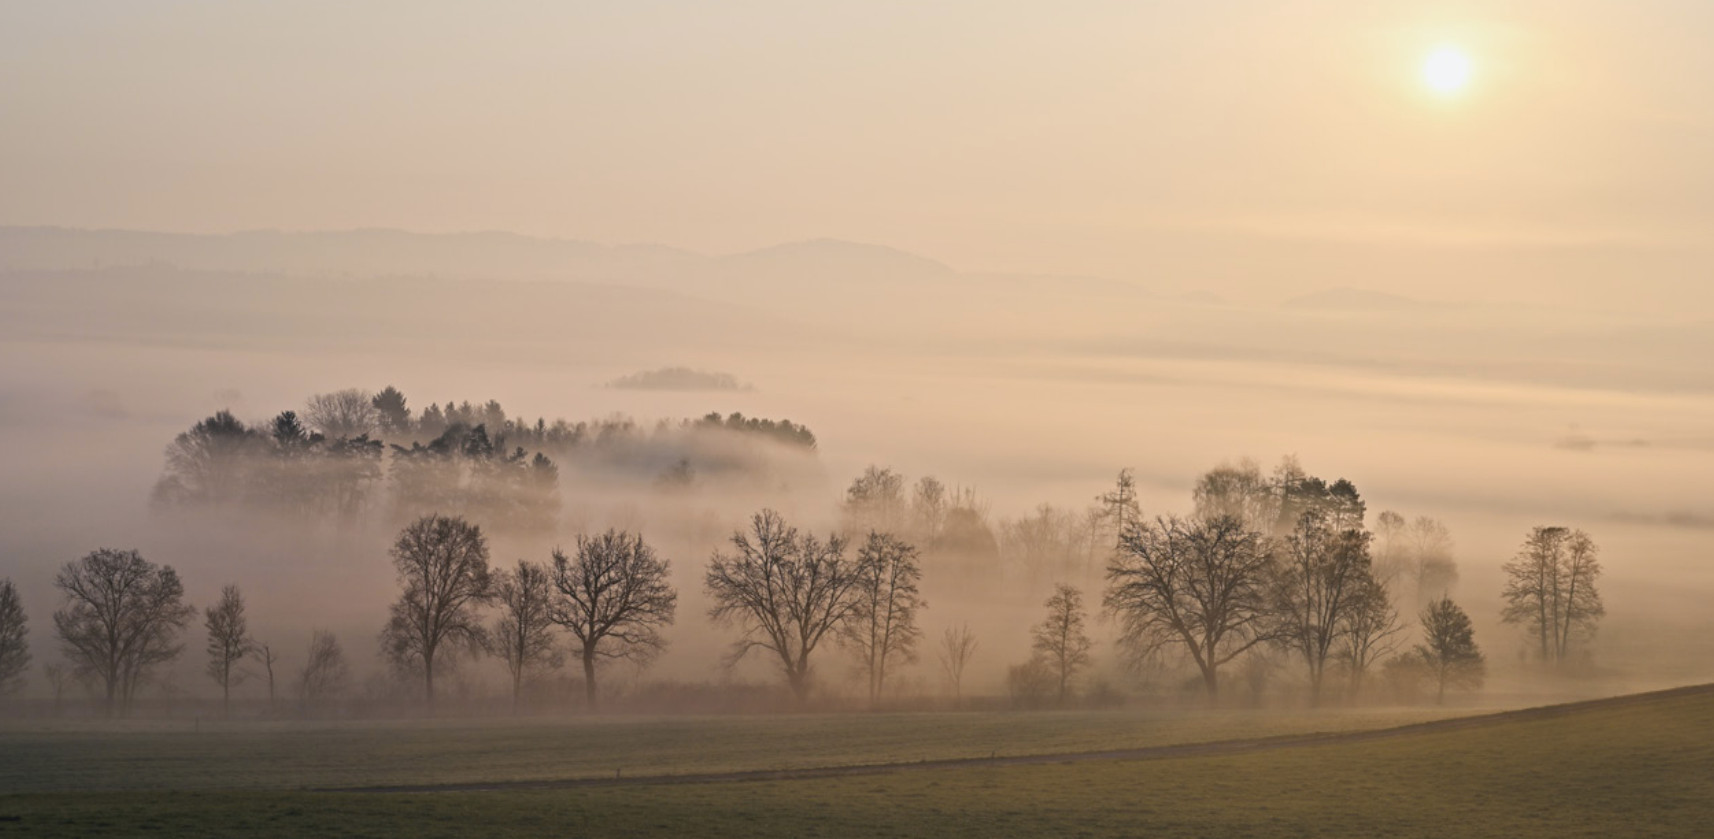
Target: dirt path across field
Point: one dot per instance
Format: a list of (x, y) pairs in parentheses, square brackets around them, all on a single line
[(1225, 747)]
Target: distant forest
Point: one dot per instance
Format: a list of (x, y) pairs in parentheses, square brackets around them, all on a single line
[(352, 451), (1268, 571), (678, 378)]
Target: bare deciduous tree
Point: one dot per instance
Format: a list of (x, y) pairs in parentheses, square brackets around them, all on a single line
[(121, 618), (325, 671), (228, 643), (1414, 558), (957, 648), (268, 658), (929, 502), (1199, 583), (788, 591), (1030, 683), (1390, 551), (1060, 640), (882, 629), (343, 414), (1239, 490), (1047, 545), (1449, 648), (876, 499), (615, 599), (1317, 590), (14, 646), (1433, 568), (442, 564), (1550, 588), (1121, 505), (523, 634), (59, 678), (1372, 630)]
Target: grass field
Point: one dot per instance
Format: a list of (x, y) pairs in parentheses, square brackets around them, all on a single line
[(1640, 768), (93, 756)]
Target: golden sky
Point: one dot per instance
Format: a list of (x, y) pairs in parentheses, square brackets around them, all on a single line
[(1234, 143)]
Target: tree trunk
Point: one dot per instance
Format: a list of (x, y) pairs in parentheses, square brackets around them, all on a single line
[(799, 681), (878, 683), (1210, 680), (428, 682), (589, 675), (1541, 615)]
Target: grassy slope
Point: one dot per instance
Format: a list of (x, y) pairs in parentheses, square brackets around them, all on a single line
[(1639, 769), (262, 756)]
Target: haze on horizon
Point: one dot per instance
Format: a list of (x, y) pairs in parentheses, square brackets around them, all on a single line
[(1248, 148), (1014, 247)]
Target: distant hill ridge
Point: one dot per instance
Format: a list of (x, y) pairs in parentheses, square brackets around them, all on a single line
[(1347, 299), (380, 252)]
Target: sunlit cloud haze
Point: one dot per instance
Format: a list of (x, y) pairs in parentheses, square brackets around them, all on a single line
[(1017, 246), (1260, 146)]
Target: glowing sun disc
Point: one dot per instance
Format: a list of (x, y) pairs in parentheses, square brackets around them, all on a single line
[(1447, 70)]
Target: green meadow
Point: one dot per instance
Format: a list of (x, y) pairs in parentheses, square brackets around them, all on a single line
[(205, 756), (1640, 767)]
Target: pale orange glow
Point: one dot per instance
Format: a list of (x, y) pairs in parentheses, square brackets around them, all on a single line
[(1447, 70)]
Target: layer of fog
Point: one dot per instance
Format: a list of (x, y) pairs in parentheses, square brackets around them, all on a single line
[(1028, 395)]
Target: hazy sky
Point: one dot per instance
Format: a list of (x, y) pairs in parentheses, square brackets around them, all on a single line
[(1260, 149), (1132, 139)]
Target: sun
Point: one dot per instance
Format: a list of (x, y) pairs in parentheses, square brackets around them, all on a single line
[(1447, 70)]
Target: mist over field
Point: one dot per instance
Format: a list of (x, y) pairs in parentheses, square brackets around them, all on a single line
[(1452, 254), (766, 418), (1490, 415)]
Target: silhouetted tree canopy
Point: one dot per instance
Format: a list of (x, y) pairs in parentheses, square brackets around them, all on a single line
[(1322, 576), (882, 630), (14, 639), (614, 597), (1060, 640), (212, 463), (464, 469), (957, 647), (1372, 630), (678, 378), (442, 564), (391, 412), (343, 414), (875, 500), (1273, 504), (783, 431), (789, 592), (324, 673), (523, 635), (122, 617), (327, 462), (1550, 589), (1448, 648), (1198, 584), (229, 643)]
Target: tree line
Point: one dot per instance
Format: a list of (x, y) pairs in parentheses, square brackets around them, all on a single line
[(1283, 563), (333, 460)]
